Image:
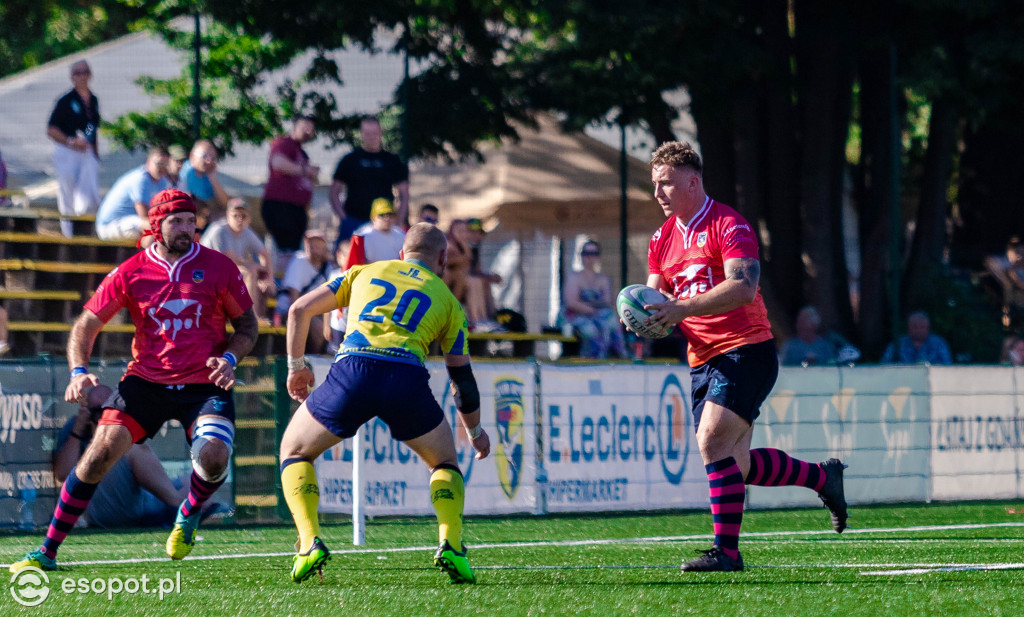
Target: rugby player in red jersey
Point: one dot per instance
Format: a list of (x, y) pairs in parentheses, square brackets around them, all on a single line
[(180, 296), (705, 257)]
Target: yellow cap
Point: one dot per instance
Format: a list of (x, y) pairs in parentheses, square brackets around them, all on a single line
[(381, 206)]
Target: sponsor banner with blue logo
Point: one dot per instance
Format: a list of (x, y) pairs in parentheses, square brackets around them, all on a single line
[(619, 438), (396, 480), (875, 419), (977, 431)]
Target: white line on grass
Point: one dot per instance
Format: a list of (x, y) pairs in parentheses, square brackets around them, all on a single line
[(607, 541)]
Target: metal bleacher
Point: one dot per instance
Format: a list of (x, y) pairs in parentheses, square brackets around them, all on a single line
[(46, 278)]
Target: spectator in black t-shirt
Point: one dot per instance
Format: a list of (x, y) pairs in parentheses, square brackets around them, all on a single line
[(74, 126), (366, 173)]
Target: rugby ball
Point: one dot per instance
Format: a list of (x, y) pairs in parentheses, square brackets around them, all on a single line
[(630, 306)]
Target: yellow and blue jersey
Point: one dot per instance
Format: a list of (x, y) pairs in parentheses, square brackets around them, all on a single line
[(396, 310)]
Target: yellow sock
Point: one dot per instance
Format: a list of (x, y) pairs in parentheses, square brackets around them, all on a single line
[(448, 494), (302, 493)]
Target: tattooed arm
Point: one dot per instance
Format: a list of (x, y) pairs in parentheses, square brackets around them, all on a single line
[(739, 288)]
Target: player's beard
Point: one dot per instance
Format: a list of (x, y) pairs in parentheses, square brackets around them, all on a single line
[(179, 244)]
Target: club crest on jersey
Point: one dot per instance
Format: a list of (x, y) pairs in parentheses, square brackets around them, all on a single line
[(508, 409), (702, 239), (198, 276)]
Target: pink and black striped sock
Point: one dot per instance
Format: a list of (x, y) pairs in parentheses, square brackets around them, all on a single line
[(199, 491), (74, 499), (727, 492), (771, 467)]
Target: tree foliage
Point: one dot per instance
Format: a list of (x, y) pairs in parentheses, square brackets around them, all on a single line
[(33, 32), (795, 101)]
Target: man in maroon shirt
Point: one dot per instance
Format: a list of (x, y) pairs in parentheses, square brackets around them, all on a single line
[(289, 189)]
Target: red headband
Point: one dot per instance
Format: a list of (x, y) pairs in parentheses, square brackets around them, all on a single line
[(163, 204)]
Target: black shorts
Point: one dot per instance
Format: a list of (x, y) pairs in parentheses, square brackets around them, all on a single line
[(739, 380), (285, 222), (151, 404), (358, 388)]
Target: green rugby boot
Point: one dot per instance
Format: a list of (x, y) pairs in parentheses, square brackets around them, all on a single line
[(304, 565), (34, 559), (183, 535), (454, 564)]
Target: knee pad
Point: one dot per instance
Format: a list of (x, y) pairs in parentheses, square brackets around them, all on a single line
[(205, 430)]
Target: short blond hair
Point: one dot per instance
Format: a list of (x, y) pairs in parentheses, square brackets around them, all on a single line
[(677, 154)]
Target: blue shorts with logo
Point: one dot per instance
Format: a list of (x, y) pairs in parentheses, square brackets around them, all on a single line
[(739, 380), (359, 388)]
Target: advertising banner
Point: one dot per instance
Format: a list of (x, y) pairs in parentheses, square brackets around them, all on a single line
[(619, 438), (396, 481), (874, 419), (977, 432)]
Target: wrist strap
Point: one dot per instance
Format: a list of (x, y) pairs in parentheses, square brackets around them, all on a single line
[(296, 364), (475, 432), (79, 370), (230, 357)]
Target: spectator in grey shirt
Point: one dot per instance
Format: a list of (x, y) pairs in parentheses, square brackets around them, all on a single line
[(233, 237)]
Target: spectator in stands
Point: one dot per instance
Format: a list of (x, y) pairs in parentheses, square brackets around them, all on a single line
[(4, 345), (75, 125), (429, 214), (589, 307), (289, 190), (233, 237), (334, 326), (808, 347), (5, 199), (366, 173), (378, 240), (456, 272), (136, 492), (1013, 351), (1008, 270), (200, 180), (479, 301), (177, 159), (306, 270), (124, 213), (919, 345)]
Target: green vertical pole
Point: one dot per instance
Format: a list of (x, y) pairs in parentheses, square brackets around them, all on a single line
[(197, 45)]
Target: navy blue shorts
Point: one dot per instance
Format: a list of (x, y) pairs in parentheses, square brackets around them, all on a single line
[(358, 388), (151, 404), (738, 380)]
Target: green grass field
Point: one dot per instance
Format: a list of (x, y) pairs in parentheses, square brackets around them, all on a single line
[(963, 559)]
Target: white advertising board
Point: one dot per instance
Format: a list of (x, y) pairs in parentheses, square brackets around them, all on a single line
[(977, 432), (619, 438)]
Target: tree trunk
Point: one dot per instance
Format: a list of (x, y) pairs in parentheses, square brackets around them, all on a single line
[(878, 132), (823, 70), (930, 231), (780, 159)]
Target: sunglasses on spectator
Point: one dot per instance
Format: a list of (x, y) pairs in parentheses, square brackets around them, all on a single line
[(81, 72), (590, 253), (429, 219)]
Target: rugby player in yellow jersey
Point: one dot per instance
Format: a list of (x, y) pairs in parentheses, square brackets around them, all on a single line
[(397, 308)]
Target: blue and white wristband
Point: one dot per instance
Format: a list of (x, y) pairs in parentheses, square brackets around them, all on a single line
[(79, 370), (230, 357)]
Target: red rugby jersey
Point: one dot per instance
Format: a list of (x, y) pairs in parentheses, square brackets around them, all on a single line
[(180, 311), (691, 259)]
